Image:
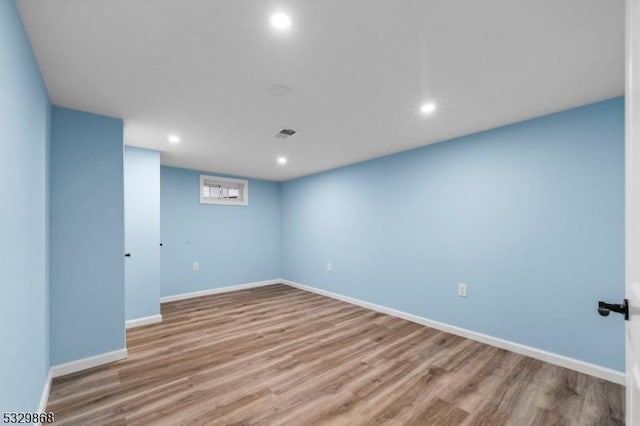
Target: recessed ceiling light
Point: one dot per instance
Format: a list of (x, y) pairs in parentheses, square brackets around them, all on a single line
[(428, 108), (280, 21), (174, 139), (282, 160)]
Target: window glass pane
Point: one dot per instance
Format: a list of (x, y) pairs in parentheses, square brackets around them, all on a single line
[(214, 192)]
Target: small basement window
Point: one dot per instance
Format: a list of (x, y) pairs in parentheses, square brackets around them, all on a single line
[(221, 190)]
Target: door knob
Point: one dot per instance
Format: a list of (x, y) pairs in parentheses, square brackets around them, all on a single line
[(605, 309), (127, 255)]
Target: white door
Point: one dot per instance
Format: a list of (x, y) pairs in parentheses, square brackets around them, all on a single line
[(142, 233), (632, 213)]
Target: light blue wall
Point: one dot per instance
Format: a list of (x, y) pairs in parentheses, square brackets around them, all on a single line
[(24, 123), (86, 235), (530, 216), (233, 244), (142, 232)]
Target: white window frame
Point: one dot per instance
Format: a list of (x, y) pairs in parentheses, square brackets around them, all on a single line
[(222, 180)]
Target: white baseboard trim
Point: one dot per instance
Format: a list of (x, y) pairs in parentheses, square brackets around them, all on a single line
[(138, 322), (90, 362), (44, 398), (227, 289), (550, 357)]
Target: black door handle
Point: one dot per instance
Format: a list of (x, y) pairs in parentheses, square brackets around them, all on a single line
[(605, 309), (127, 255)]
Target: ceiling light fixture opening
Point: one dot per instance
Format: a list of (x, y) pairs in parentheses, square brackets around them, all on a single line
[(174, 139), (428, 108), (282, 160), (280, 21)]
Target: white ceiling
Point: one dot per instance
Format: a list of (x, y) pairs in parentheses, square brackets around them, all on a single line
[(358, 72)]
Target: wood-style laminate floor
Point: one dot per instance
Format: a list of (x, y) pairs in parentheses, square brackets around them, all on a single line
[(281, 356)]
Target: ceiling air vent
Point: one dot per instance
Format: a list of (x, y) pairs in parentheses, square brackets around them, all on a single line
[(285, 133)]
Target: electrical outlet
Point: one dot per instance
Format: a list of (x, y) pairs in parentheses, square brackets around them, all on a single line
[(196, 266), (462, 290), (329, 267)]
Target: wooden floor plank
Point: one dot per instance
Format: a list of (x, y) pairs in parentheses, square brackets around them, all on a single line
[(276, 355)]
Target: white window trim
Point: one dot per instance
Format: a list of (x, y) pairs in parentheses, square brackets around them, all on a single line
[(227, 202)]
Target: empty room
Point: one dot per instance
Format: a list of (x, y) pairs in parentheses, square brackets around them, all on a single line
[(316, 212)]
